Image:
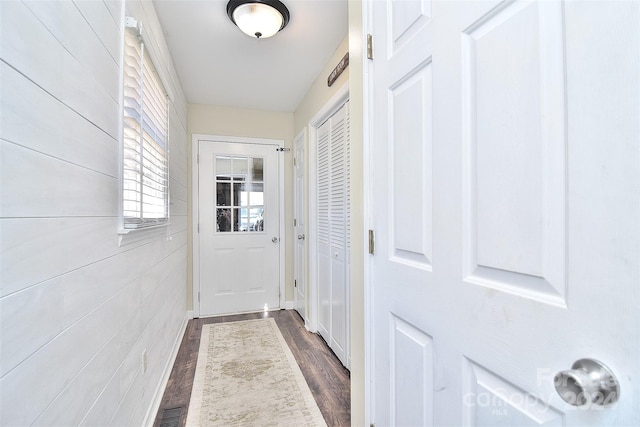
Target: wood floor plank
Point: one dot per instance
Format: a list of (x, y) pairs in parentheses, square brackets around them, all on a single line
[(328, 380)]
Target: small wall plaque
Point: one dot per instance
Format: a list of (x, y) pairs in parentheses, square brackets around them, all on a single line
[(342, 65)]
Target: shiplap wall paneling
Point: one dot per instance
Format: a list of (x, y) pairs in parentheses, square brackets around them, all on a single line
[(79, 304)]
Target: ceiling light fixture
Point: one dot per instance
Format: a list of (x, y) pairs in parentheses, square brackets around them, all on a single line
[(258, 18)]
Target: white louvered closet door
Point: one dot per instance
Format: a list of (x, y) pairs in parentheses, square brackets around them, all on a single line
[(324, 230), (333, 218)]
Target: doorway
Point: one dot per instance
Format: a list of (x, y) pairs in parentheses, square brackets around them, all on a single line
[(237, 225), (329, 225), (504, 195)]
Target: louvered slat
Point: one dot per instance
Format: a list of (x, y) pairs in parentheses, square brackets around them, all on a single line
[(145, 187)]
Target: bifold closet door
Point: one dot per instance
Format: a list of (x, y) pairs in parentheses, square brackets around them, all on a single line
[(324, 230), (333, 250)]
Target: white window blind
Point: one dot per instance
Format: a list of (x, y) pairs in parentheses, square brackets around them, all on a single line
[(145, 140)]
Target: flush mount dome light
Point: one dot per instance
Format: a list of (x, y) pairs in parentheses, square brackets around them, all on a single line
[(258, 18)]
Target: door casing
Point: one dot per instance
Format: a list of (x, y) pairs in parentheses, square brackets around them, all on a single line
[(300, 227), (334, 103), (195, 141)]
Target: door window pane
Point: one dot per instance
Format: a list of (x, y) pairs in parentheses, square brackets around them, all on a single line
[(223, 220), (257, 169), (223, 194), (223, 167), (239, 193), (240, 167), (256, 218)]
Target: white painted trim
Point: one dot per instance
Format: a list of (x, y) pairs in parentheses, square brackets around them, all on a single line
[(282, 233), (120, 162), (190, 314), (195, 241), (152, 411), (289, 305), (297, 274), (367, 125), (334, 103), (195, 170)]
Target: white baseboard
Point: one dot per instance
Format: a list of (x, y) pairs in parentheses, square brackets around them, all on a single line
[(289, 305), (150, 418), (190, 314)]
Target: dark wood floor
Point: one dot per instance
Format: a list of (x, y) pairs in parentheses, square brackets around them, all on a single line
[(328, 380)]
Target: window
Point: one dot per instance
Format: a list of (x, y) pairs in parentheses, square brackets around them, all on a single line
[(145, 174), (239, 193)]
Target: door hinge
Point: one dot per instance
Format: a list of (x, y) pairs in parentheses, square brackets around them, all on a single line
[(295, 222), (281, 149), (295, 283), (294, 161), (198, 296), (130, 22), (369, 46), (372, 242)]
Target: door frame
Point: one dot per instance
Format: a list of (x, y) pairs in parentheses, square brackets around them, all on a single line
[(331, 106), (195, 209), (366, 28), (300, 138)]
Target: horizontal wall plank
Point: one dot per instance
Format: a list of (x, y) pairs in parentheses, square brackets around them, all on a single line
[(178, 207), (177, 170), (66, 299), (102, 24), (150, 289), (34, 250), (64, 21), (24, 386), (86, 388), (104, 297), (105, 405), (33, 118), (129, 402), (36, 185), (177, 190), (29, 47), (177, 134), (115, 9)]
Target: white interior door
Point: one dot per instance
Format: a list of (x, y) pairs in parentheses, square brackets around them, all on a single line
[(505, 199), (333, 244), (299, 215), (239, 227)]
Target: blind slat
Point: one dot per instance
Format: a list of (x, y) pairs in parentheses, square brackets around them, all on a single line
[(145, 138)]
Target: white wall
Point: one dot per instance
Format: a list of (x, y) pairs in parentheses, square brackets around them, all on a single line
[(320, 93), (316, 98), (77, 308)]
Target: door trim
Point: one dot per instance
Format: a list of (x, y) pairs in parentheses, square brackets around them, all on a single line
[(330, 107), (367, 192), (195, 204), (304, 273)]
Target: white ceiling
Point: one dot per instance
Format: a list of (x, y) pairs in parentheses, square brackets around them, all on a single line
[(219, 65)]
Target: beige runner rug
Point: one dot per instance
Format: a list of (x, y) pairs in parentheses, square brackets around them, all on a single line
[(247, 376)]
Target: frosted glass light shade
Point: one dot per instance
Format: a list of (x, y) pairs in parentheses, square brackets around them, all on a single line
[(260, 19)]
